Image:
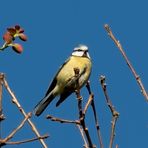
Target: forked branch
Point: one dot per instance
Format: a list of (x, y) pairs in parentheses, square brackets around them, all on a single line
[(81, 114), (18, 128), (7, 141), (15, 101)]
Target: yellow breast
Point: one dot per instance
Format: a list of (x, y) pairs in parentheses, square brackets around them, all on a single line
[(67, 71)]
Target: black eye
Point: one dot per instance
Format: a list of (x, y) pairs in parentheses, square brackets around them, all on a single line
[(79, 50)]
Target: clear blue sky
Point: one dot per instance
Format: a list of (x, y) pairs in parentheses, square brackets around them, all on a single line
[(54, 28)]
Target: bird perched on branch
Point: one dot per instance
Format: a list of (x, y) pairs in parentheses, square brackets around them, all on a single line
[(64, 82)]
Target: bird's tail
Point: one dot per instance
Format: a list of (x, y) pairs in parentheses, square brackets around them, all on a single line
[(41, 106)]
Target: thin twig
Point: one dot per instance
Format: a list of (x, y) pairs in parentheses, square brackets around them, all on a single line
[(18, 128), (81, 115), (1, 109), (1, 113), (137, 77), (1, 81), (91, 96), (83, 136), (61, 120), (5, 45), (79, 97), (28, 140), (14, 99), (115, 114), (95, 114)]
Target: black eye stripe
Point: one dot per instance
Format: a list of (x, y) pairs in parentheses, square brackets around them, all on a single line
[(79, 50)]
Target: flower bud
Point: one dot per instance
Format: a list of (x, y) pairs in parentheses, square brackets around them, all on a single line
[(12, 31), (17, 27), (7, 37), (23, 37), (17, 48)]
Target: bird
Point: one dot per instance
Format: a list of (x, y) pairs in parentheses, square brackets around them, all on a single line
[(64, 82)]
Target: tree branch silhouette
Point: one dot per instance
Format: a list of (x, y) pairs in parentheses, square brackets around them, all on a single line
[(18, 128), (115, 114), (1, 113), (11, 135), (15, 101), (1, 109), (81, 115), (91, 101), (118, 44), (26, 141), (61, 120)]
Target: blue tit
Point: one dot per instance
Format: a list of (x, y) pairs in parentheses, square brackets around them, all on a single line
[(64, 82)]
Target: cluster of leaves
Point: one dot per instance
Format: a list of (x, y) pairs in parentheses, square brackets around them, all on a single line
[(9, 37)]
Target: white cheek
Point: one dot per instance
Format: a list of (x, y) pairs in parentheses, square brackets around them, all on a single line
[(78, 53)]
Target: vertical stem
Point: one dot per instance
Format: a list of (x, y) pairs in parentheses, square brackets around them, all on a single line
[(115, 114), (81, 115), (95, 115), (1, 113), (112, 135), (97, 125), (0, 95), (82, 134)]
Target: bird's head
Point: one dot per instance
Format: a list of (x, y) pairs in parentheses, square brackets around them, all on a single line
[(81, 51)]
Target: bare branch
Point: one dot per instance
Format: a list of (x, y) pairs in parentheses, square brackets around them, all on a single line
[(1, 109), (137, 77), (115, 114), (90, 99), (29, 140), (15, 101), (5, 45), (95, 114), (18, 128), (61, 120), (81, 115), (83, 136)]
